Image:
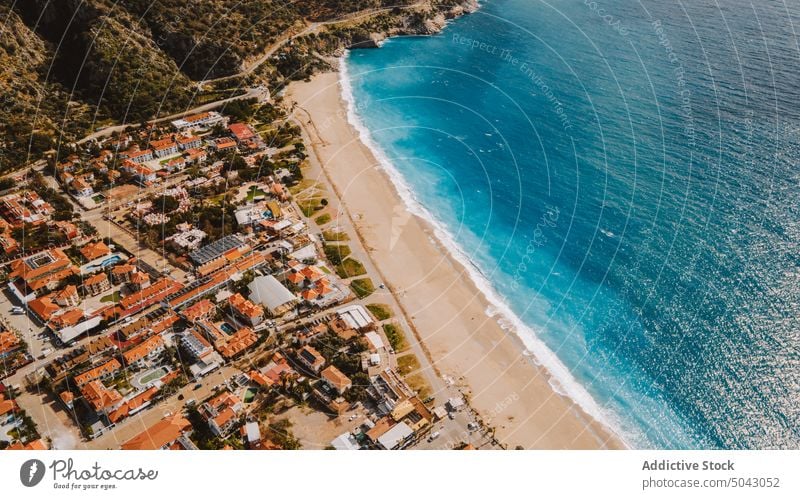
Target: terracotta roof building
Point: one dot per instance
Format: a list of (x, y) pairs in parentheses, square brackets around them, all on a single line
[(221, 413), (139, 281), (8, 243), (97, 284), (145, 351), (42, 271), (102, 371), (203, 309), (164, 147), (7, 406), (100, 398), (246, 310), (236, 343), (170, 433), (67, 318), (67, 397), (122, 273), (149, 295), (189, 142), (133, 405), (67, 297), (241, 132), (95, 250), (336, 379), (43, 307), (9, 342), (37, 444), (224, 143)]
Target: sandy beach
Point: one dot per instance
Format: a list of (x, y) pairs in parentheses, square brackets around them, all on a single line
[(447, 311)]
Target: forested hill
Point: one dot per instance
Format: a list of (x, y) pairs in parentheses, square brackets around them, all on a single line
[(68, 65)]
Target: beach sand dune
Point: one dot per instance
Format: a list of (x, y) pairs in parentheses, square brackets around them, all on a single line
[(509, 391)]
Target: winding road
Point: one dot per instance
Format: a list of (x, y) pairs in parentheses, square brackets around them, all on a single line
[(260, 92)]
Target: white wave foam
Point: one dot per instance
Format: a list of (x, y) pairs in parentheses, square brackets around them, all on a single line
[(561, 379)]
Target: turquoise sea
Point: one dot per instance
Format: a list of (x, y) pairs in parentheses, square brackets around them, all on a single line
[(623, 178)]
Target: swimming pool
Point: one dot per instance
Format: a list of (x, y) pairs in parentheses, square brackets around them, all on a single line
[(227, 328), (108, 261), (152, 375)]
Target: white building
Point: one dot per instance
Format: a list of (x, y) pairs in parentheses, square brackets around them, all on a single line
[(273, 295), (355, 316), (189, 239), (206, 358), (345, 441), (200, 120), (396, 436)]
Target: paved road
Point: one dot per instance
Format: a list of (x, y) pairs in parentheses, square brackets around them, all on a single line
[(453, 433), (26, 327), (52, 420), (251, 66), (130, 241), (38, 164), (440, 389), (134, 425), (261, 93)]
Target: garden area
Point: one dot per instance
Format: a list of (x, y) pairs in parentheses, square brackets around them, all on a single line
[(362, 287), (381, 311), (396, 337)]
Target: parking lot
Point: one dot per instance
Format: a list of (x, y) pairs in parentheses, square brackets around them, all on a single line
[(28, 328)]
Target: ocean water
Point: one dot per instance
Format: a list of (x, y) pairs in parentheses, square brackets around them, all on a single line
[(622, 178)]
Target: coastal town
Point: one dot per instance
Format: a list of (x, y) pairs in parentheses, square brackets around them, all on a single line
[(222, 262), (195, 284)]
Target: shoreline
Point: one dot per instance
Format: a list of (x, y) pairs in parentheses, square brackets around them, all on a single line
[(454, 321), (560, 379)]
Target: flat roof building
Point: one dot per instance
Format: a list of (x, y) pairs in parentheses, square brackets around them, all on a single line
[(216, 249), (273, 295)]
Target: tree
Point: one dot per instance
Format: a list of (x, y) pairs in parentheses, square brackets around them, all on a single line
[(247, 278), (358, 390), (169, 204), (280, 432), (247, 175), (236, 162), (40, 143)]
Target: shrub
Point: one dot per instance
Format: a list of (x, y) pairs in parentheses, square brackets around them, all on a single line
[(381, 311), (362, 287)]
